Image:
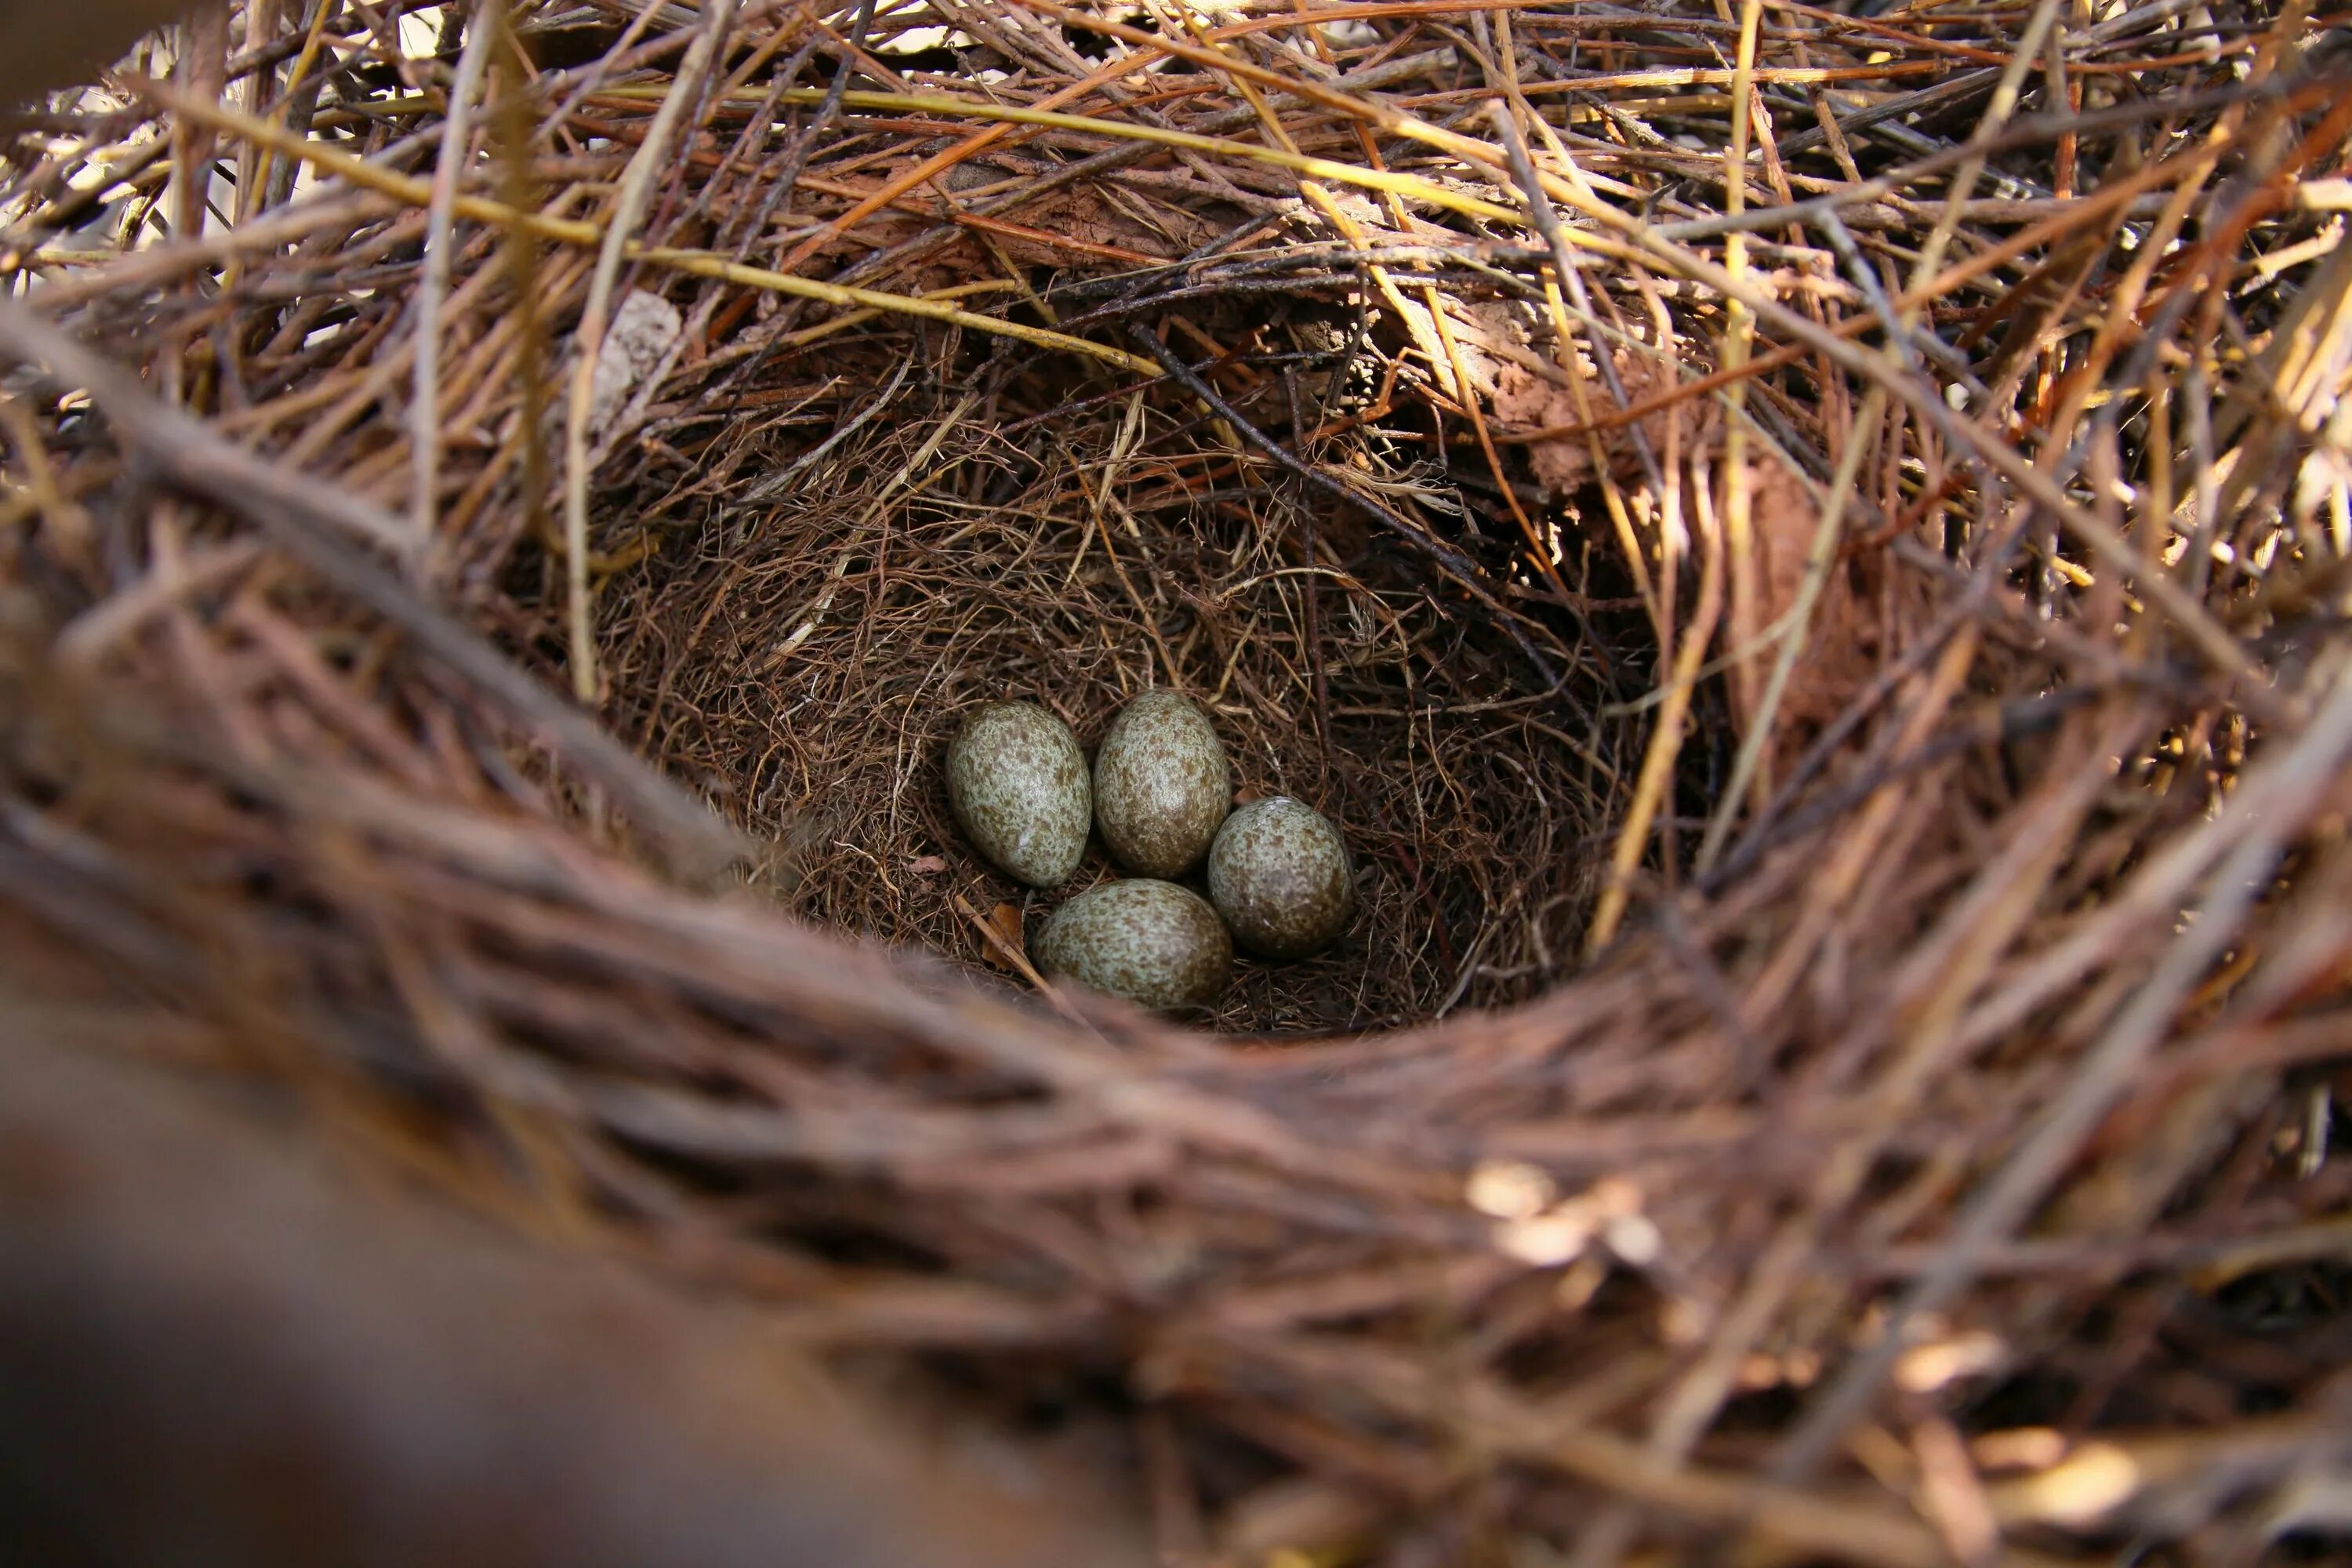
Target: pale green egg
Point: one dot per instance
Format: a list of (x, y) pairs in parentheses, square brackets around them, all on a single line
[(1153, 942), (1279, 875), (1162, 785), (1018, 784)]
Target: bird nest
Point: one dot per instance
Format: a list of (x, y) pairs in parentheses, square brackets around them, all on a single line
[(1805, 553)]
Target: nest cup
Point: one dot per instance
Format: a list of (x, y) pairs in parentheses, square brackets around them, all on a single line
[(809, 663), (1846, 996)]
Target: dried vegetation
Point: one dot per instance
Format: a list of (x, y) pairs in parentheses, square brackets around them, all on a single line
[(1806, 550)]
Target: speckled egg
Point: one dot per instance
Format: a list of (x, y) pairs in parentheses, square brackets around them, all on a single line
[(1018, 784), (1153, 942), (1279, 875), (1162, 785)]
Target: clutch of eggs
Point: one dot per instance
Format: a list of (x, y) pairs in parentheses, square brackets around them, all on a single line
[(1160, 793)]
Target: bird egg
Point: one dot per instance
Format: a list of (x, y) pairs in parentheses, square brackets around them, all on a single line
[(1278, 873), (1018, 784), (1155, 944), (1162, 785)]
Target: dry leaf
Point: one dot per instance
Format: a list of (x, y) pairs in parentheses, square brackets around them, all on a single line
[(1004, 920), (1842, 646), (1842, 637), (1525, 400)]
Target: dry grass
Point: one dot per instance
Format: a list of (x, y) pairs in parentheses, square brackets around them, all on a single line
[(1837, 679)]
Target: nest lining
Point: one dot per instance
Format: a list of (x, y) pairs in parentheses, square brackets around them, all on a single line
[(807, 662)]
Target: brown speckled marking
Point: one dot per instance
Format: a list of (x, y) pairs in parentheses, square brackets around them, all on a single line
[(1162, 785), (1018, 784), (1155, 944), (1279, 874)]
